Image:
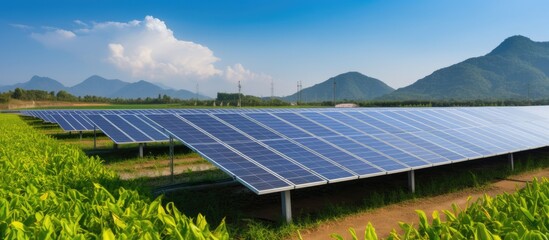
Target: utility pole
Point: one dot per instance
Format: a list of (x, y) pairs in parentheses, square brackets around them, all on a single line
[(272, 92), (196, 100), (334, 95), (529, 99), (239, 98)]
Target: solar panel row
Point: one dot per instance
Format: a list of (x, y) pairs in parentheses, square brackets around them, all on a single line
[(273, 150)]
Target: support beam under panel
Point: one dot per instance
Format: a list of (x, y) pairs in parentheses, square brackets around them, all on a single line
[(115, 146), (286, 206), (511, 161), (94, 138), (412, 181), (80, 135), (171, 158), (141, 150)]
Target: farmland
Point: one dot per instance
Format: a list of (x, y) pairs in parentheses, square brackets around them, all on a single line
[(53, 190), (241, 207)]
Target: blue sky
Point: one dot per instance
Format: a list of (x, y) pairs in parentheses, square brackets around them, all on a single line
[(215, 44)]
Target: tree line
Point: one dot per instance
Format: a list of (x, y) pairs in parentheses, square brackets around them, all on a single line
[(233, 99)]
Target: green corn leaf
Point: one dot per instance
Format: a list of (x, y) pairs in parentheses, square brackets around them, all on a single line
[(108, 234)]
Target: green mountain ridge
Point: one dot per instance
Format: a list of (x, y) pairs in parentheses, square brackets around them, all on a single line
[(517, 69), (348, 86)]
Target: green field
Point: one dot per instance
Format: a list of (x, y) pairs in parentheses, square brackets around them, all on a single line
[(52, 190), (243, 209)]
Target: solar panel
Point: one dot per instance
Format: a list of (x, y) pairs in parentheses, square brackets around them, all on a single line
[(59, 119), (110, 129), (128, 129), (273, 150)]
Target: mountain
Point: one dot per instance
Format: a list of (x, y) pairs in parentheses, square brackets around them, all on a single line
[(349, 86), (516, 69), (97, 86), (37, 83), (144, 89)]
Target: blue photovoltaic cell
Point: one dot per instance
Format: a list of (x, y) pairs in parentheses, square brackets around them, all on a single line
[(424, 118), (243, 169), (276, 163), (216, 128), (440, 150), (412, 149), (461, 142), (249, 127), (373, 121), (49, 118), (448, 144), (306, 124), (130, 130), (353, 122), (62, 122), (272, 150), (393, 122), (109, 129), (494, 139), (408, 121), (76, 125), (453, 117), (183, 130), (391, 151), (528, 139), (530, 129), (467, 135), (150, 122), (83, 121), (331, 123), (155, 134), (367, 153), (308, 159), (278, 125), (336, 155)]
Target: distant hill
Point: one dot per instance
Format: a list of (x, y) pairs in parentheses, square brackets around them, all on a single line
[(349, 86), (97, 86), (37, 83), (143, 89), (516, 69)]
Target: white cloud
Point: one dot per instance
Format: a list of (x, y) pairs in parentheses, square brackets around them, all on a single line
[(21, 26), (145, 49), (54, 37), (80, 23), (149, 50), (155, 53)]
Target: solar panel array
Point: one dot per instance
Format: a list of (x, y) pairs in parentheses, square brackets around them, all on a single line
[(273, 150)]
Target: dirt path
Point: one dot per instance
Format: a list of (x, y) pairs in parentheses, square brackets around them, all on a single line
[(386, 219)]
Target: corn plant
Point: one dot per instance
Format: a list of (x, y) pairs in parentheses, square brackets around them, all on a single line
[(50, 190), (520, 215)]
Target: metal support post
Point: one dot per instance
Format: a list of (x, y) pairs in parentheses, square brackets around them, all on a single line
[(115, 146), (94, 138), (411, 181), (511, 161), (171, 158), (141, 150), (286, 206), (80, 135)]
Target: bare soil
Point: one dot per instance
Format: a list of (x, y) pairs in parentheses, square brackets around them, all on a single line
[(387, 218), (19, 104)]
